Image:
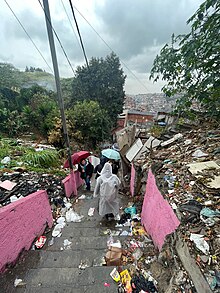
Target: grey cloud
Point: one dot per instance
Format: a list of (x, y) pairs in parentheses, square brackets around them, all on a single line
[(32, 23), (135, 25)]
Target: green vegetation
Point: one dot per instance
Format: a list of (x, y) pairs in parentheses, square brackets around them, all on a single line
[(28, 158), (92, 121), (93, 99), (190, 65), (102, 82)]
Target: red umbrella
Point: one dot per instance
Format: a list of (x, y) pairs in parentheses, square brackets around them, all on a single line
[(77, 157)]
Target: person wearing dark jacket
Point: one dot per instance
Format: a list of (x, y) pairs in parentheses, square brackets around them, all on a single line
[(86, 170), (99, 167)]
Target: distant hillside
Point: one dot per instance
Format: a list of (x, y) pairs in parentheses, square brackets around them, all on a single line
[(44, 79)]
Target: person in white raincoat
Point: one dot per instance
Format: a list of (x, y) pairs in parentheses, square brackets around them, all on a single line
[(107, 186)]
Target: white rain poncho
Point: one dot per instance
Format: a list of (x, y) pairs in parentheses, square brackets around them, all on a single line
[(107, 186)]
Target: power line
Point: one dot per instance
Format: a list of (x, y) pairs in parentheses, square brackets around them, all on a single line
[(64, 52), (77, 27), (110, 48), (71, 24), (28, 35)]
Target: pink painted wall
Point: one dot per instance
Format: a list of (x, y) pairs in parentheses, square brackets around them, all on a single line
[(71, 183), (132, 180), (21, 222), (157, 216)]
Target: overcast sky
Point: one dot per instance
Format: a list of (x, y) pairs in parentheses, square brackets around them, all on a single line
[(135, 29)]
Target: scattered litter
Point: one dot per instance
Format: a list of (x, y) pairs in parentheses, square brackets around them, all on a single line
[(19, 283), (8, 185), (200, 242), (209, 213), (13, 198), (169, 141), (91, 212), (116, 244), (68, 205), (106, 284), (40, 241), (115, 232), (83, 265), (66, 244), (51, 242), (82, 196), (137, 254), (125, 233), (6, 160), (115, 275), (72, 216), (57, 231), (199, 154), (61, 220)]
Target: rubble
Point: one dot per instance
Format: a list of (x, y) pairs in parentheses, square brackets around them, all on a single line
[(186, 166)]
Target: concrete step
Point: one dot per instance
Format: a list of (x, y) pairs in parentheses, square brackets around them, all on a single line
[(67, 258), (71, 231), (80, 243), (70, 289), (66, 277)]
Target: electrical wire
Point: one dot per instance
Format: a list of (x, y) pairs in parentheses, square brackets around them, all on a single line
[(71, 24), (18, 20), (58, 39), (77, 27), (110, 48)]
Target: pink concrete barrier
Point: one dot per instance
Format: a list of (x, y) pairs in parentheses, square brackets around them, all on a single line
[(132, 180), (20, 223), (157, 215), (71, 183)]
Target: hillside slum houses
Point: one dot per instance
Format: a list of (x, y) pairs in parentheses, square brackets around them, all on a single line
[(174, 179)]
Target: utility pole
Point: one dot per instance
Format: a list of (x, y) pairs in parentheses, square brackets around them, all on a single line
[(57, 78)]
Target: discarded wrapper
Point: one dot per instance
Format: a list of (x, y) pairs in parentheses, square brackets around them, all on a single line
[(126, 280), (91, 212), (40, 242), (115, 275)]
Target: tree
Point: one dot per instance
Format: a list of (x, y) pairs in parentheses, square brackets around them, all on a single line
[(8, 76), (91, 120), (191, 64), (40, 111), (103, 82)]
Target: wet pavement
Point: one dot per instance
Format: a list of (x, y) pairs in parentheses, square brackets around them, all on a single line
[(56, 269)]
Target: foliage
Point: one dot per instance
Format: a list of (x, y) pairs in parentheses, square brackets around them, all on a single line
[(191, 63), (91, 120), (39, 113), (103, 82), (45, 158), (67, 91), (157, 130), (56, 136), (9, 76), (33, 69), (28, 155)]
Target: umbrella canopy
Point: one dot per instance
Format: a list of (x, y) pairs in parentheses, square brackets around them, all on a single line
[(77, 157), (111, 154)]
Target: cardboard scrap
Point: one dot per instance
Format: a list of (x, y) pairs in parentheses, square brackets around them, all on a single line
[(8, 185), (196, 169)]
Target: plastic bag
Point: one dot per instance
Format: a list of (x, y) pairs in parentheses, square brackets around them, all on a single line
[(72, 216), (200, 243)]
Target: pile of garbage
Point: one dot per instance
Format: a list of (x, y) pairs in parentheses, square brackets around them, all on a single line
[(134, 255), (186, 165), (18, 184)]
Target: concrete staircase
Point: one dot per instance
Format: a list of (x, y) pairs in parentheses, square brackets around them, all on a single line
[(53, 270)]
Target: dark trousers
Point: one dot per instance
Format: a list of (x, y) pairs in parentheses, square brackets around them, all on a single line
[(87, 181)]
